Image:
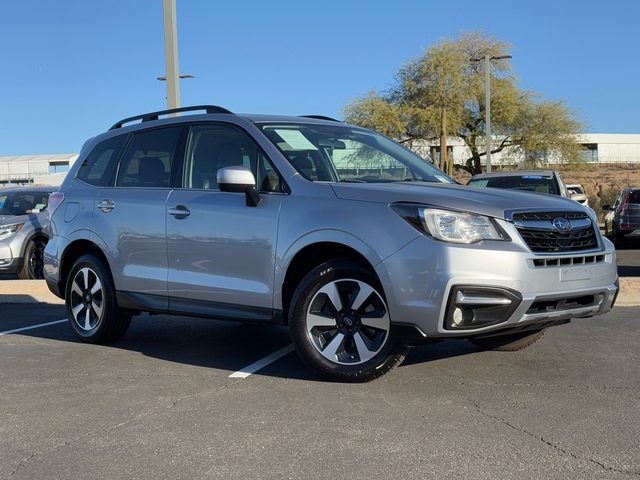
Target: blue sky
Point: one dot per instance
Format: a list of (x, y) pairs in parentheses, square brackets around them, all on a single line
[(69, 69)]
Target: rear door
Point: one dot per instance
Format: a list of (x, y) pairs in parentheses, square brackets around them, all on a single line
[(222, 252), (129, 220)]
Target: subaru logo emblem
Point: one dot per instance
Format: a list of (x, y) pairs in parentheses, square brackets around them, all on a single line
[(561, 224)]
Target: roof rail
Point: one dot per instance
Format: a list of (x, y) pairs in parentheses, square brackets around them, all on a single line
[(321, 117), (148, 117)]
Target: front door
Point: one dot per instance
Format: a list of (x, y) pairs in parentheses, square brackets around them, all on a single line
[(221, 252)]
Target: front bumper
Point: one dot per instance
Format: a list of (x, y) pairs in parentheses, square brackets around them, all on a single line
[(443, 290), (8, 263)]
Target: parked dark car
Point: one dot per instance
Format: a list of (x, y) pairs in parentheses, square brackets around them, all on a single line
[(622, 223), (24, 227)]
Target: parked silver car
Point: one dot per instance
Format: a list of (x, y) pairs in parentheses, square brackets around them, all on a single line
[(538, 181), (24, 225), (576, 192), (359, 246)]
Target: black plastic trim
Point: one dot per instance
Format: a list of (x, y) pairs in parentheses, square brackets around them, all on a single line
[(148, 117)]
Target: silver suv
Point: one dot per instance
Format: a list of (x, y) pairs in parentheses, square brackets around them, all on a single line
[(24, 230), (359, 246)]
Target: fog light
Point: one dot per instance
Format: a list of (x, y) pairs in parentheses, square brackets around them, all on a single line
[(462, 316), (471, 307)]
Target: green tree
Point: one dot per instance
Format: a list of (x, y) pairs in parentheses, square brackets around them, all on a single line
[(441, 94)]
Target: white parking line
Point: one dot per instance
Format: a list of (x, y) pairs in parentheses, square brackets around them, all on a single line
[(254, 367), (244, 373), (32, 327)]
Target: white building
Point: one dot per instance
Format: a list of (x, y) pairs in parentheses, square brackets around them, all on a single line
[(36, 169), (599, 148)]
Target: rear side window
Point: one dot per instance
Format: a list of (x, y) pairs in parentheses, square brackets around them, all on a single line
[(634, 197), (148, 159), (100, 166)]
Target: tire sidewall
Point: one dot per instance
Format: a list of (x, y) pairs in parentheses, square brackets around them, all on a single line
[(32, 247), (100, 331), (329, 272)]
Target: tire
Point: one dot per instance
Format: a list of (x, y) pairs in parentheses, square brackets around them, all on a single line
[(92, 310), (33, 266), (510, 342), (339, 324)]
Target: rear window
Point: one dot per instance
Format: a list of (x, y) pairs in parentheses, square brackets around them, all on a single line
[(529, 183)]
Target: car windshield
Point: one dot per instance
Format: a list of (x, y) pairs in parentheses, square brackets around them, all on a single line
[(342, 153), (530, 183), (22, 203)]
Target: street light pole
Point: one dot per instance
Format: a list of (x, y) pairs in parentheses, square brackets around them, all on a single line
[(487, 97), (171, 53)]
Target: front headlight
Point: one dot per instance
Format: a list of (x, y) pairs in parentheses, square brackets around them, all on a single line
[(449, 225), (6, 230)]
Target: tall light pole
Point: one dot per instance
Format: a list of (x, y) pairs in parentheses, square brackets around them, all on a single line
[(487, 100), (171, 54)]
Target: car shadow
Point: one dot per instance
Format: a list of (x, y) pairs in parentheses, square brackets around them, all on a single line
[(221, 345), (629, 270)]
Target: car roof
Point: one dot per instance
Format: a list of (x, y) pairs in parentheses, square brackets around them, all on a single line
[(39, 189), (201, 112)]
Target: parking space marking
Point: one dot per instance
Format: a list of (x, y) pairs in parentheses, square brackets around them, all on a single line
[(254, 367), (16, 330)]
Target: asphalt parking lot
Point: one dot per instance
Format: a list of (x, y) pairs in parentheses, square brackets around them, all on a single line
[(174, 399)]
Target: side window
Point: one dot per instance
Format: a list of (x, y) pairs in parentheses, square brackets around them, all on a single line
[(148, 158), (214, 146), (99, 167)]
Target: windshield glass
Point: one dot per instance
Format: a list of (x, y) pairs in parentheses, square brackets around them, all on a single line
[(342, 153), (22, 204)]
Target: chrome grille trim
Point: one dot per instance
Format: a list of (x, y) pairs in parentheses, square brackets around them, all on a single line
[(537, 231)]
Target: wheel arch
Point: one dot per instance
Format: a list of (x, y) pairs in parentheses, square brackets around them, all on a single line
[(308, 258), (74, 251), (36, 235)]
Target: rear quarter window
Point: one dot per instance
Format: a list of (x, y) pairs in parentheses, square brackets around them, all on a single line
[(99, 167)]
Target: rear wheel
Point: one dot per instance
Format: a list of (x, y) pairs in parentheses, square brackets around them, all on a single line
[(92, 310), (510, 342), (340, 325), (33, 266)]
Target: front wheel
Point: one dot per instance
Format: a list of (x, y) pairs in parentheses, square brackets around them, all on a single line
[(33, 266), (510, 342), (92, 309), (340, 325)]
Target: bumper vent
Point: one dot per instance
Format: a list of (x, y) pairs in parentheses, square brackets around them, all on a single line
[(568, 261)]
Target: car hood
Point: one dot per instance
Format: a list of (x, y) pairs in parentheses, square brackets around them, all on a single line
[(494, 202), (11, 219)]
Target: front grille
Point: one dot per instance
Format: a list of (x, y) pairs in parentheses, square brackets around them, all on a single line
[(537, 216), (538, 232)]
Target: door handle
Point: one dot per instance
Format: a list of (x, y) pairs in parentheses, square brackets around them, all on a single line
[(106, 205), (180, 211)]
